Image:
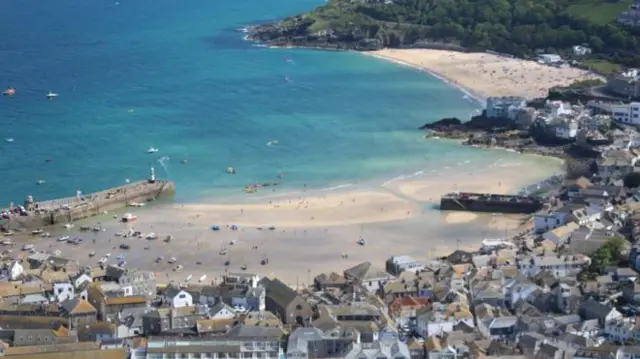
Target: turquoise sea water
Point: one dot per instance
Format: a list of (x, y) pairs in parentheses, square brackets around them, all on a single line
[(179, 77)]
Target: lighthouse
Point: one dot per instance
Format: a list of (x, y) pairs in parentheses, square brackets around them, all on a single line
[(152, 175)]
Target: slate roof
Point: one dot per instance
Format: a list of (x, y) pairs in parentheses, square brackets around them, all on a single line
[(332, 278), (171, 291), (366, 271), (77, 306), (246, 332), (280, 293), (591, 309)]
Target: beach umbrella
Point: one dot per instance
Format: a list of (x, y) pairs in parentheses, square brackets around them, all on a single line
[(234, 227)]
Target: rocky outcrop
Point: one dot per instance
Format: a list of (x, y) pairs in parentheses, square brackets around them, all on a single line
[(477, 123), (295, 32)]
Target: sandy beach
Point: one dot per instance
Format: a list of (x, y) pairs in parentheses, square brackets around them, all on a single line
[(314, 232), (485, 75)]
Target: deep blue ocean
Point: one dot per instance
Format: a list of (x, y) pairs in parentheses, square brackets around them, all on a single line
[(178, 76)]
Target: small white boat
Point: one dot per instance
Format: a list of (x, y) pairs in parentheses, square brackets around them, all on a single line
[(136, 204), (202, 278), (102, 260), (128, 217), (108, 255), (178, 268), (188, 278), (46, 235), (41, 182), (362, 242), (9, 233), (172, 260), (69, 225), (37, 232), (151, 236), (28, 247), (52, 95), (63, 239), (243, 267), (7, 243), (223, 251), (91, 254), (152, 150), (271, 143), (233, 241), (8, 140)]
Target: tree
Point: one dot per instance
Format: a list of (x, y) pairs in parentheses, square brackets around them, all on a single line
[(608, 254)]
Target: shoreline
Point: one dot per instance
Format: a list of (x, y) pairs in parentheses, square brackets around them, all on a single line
[(467, 91), (494, 74), (315, 227)]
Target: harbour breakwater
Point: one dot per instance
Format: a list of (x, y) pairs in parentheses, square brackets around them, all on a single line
[(67, 210), (495, 203)]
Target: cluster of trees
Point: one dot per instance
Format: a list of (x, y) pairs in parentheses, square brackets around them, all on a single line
[(518, 27), (605, 256)]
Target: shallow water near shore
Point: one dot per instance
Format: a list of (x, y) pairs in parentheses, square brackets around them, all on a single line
[(179, 77)]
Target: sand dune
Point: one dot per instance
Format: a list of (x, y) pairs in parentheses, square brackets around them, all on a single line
[(487, 75)]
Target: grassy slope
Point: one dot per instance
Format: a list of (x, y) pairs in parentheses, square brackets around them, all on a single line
[(598, 11), (601, 66)]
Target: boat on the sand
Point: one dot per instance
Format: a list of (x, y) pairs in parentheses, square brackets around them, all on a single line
[(128, 217)]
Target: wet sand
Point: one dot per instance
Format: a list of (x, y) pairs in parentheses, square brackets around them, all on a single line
[(313, 230)]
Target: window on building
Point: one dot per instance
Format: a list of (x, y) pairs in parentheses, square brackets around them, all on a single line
[(182, 296)]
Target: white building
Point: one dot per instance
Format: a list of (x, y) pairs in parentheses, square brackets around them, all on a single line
[(559, 266), (505, 106), (398, 264), (177, 297), (63, 290), (555, 109), (222, 311), (625, 113), (581, 50), (549, 59), (15, 270), (442, 319), (582, 215), (566, 130)]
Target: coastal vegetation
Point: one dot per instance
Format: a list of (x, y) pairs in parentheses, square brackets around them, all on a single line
[(518, 27), (609, 254)]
